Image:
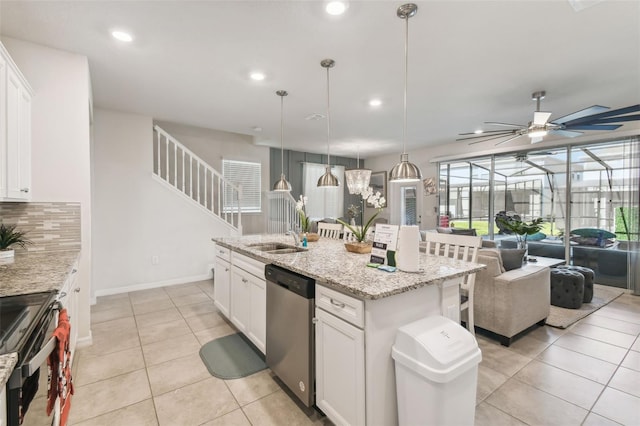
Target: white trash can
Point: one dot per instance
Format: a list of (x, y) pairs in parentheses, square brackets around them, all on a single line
[(436, 363)]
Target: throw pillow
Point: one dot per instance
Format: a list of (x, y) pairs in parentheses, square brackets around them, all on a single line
[(538, 236), (592, 233), (512, 258), (460, 231), (443, 230)]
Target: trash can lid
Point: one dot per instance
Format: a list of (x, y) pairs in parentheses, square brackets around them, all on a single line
[(436, 347)]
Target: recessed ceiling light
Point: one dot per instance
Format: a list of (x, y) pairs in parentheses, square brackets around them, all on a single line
[(477, 132), (336, 7), (122, 36), (375, 102), (315, 116), (256, 129), (257, 76)]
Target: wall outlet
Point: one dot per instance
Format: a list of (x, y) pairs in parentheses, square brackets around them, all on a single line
[(155, 260)]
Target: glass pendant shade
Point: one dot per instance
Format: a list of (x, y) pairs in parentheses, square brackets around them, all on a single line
[(328, 180), (282, 185), (405, 171), (357, 180)]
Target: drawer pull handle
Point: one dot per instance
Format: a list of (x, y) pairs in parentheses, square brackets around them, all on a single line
[(25, 190), (77, 289), (244, 280), (338, 304)]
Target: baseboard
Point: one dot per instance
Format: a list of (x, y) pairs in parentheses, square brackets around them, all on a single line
[(83, 342), (147, 286)]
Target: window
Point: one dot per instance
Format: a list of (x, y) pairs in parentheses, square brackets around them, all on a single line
[(249, 177), (323, 202)]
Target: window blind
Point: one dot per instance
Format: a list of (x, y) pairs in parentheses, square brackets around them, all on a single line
[(323, 202), (247, 175)]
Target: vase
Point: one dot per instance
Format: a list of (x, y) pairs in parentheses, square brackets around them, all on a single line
[(352, 222), (357, 247), (5, 254), (311, 236), (522, 245)]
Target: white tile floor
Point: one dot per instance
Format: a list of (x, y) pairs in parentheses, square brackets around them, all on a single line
[(144, 369)]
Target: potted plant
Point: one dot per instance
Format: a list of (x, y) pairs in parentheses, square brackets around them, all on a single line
[(305, 222), (360, 232), (9, 237), (521, 229)]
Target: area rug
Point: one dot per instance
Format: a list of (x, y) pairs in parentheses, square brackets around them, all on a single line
[(563, 318), (232, 357)]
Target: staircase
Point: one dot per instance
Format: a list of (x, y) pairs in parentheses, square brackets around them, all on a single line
[(179, 168), (281, 215)]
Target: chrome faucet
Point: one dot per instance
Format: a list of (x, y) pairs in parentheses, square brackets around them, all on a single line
[(294, 234)]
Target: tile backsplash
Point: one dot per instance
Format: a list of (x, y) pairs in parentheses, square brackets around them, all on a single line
[(50, 226)]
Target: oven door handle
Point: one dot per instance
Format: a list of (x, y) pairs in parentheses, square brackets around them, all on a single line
[(36, 361)]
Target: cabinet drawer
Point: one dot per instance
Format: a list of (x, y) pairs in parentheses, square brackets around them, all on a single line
[(346, 307), (252, 266), (223, 253)]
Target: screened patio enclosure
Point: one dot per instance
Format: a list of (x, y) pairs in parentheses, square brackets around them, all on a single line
[(583, 193)]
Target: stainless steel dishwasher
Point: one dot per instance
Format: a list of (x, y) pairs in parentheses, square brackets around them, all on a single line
[(290, 333)]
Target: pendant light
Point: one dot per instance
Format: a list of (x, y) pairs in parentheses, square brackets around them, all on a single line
[(328, 180), (357, 179), (282, 185), (405, 171)]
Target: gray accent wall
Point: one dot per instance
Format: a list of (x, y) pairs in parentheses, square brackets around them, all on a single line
[(293, 170)]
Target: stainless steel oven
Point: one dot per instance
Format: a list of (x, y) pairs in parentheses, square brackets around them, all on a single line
[(26, 326)]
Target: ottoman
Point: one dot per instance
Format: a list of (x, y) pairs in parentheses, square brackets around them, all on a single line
[(588, 275), (567, 288)]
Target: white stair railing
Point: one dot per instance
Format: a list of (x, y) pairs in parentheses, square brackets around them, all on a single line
[(187, 173), (282, 215)]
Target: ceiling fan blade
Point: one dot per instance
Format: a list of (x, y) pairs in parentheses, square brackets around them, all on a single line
[(495, 123), (595, 109), (508, 140), (540, 118), (566, 133), (537, 139), (594, 127), (612, 113), (488, 139), (634, 117), (483, 132)]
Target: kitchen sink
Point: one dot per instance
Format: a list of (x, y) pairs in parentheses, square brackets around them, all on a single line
[(276, 248)]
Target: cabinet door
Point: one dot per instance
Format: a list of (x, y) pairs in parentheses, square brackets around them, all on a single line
[(340, 388), (222, 278), (18, 138), (240, 299), (258, 322)]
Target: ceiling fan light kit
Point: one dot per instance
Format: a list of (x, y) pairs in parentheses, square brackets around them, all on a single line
[(328, 179), (282, 185), (405, 171), (596, 117)]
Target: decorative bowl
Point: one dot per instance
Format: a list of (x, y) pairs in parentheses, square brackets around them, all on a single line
[(358, 247)]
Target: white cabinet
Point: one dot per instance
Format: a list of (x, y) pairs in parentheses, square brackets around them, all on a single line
[(222, 280), (15, 131), (340, 357), (69, 298), (249, 299)]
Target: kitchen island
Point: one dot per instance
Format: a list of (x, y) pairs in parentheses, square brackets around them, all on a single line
[(361, 370)]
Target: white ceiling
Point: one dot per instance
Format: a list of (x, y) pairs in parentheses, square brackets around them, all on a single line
[(469, 62)]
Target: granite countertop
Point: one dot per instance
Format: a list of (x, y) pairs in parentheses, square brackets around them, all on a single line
[(328, 261), (7, 364), (36, 272)]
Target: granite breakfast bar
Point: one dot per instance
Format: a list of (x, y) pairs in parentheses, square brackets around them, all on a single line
[(389, 301)]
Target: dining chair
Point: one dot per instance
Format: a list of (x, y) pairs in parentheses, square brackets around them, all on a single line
[(330, 230), (461, 247)]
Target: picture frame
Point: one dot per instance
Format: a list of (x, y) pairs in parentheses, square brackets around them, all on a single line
[(429, 185), (378, 182)]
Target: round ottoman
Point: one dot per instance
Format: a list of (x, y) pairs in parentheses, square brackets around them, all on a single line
[(588, 275), (567, 288)]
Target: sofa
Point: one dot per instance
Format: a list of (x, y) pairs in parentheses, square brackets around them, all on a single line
[(507, 303), (609, 264)]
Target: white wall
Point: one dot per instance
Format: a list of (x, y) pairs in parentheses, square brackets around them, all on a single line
[(60, 145), (214, 145), (137, 218)]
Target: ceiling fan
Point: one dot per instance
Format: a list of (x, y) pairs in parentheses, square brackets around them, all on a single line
[(596, 117)]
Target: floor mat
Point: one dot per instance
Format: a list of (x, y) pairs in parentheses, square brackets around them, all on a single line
[(563, 317), (232, 357)]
